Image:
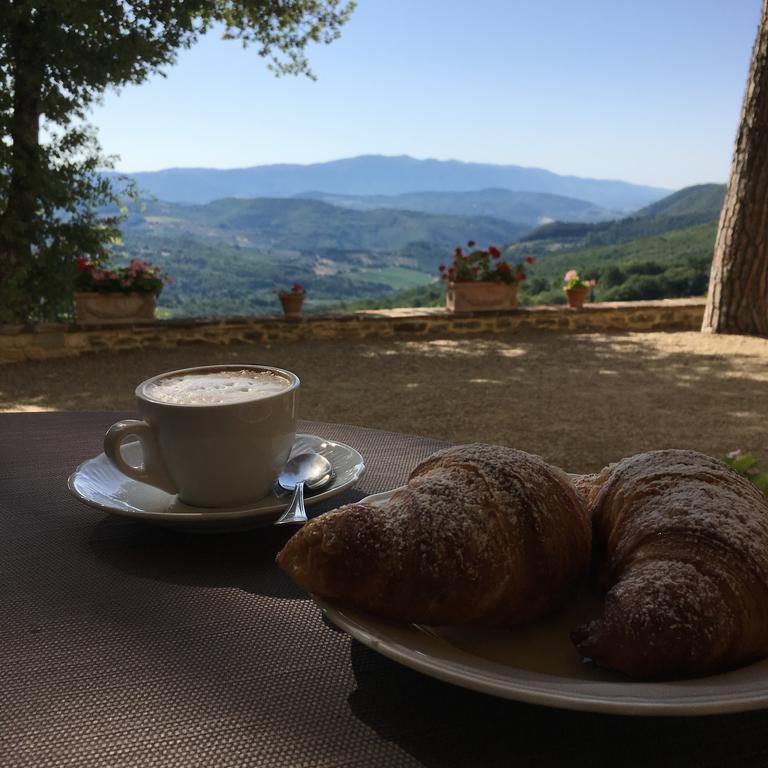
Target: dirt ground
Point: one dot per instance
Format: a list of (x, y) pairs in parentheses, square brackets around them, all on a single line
[(580, 401)]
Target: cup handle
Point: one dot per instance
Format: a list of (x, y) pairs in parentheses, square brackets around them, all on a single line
[(152, 471)]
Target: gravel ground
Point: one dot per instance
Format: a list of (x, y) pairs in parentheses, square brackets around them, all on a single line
[(581, 401)]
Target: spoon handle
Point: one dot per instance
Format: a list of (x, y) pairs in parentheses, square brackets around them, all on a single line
[(295, 512)]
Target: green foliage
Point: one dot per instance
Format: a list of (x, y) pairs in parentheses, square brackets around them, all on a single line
[(746, 464), (672, 265), (667, 266), (231, 255), (56, 59)]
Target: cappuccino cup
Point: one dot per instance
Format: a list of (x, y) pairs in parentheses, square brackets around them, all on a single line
[(217, 436)]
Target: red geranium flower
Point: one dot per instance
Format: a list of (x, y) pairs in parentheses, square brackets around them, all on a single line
[(502, 266), (494, 251), (529, 259), (83, 264)]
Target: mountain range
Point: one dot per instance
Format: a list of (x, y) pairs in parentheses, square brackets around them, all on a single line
[(229, 256), (311, 226), (527, 208), (382, 175)]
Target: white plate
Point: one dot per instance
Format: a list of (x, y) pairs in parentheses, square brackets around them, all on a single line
[(99, 483), (539, 665)]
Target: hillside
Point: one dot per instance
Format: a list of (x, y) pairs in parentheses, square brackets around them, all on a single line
[(228, 257), (380, 175), (688, 207), (670, 265), (673, 265), (529, 208), (311, 225)]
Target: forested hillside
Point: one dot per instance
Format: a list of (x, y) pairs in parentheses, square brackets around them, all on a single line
[(230, 256), (686, 208)]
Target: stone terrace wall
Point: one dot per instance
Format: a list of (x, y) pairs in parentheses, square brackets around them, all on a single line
[(40, 342)]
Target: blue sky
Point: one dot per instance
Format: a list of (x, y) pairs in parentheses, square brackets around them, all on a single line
[(649, 92)]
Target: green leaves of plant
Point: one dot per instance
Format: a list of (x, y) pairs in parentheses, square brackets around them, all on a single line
[(741, 462), (746, 464)]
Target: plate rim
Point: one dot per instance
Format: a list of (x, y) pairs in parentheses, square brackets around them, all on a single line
[(192, 517), (539, 688)]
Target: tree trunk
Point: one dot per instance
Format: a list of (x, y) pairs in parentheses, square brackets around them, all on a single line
[(19, 220), (738, 283)]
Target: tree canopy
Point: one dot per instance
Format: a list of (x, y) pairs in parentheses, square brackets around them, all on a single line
[(56, 59)]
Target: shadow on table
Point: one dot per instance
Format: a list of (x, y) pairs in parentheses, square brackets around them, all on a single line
[(240, 559), (442, 726)]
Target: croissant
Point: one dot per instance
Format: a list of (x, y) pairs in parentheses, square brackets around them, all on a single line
[(481, 535), (682, 546)]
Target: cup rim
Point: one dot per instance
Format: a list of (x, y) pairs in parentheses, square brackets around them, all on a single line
[(142, 395)]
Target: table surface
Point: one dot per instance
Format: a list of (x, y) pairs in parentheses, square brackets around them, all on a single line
[(124, 644)]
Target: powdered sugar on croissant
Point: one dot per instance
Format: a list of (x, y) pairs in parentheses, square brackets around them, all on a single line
[(682, 544), (481, 535)]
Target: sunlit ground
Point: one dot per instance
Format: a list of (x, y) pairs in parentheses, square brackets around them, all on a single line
[(580, 401)]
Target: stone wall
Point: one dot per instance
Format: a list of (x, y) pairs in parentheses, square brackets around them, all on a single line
[(40, 342)]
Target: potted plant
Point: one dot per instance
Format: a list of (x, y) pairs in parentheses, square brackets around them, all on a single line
[(480, 280), (292, 300), (576, 289), (117, 294)]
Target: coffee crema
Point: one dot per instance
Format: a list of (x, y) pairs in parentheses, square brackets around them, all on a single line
[(217, 387)]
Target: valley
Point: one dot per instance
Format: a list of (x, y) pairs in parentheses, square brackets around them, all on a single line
[(229, 256)]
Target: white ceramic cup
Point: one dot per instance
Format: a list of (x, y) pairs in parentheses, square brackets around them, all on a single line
[(211, 455)]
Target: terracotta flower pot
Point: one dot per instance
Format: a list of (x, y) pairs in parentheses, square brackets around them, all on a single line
[(92, 308), (480, 296), (576, 296), (292, 303)]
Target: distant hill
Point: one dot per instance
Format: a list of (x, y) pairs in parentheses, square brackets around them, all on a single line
[(663, 251), (229, 256), (380, 175), (702, 201), (688, 207), (669, 265), (312, 225), (530, 208), (672, 265)]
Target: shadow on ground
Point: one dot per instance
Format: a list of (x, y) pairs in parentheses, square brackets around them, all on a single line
[(580, 401)]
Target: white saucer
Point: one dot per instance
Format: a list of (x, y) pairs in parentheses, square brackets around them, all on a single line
[(100, 484)]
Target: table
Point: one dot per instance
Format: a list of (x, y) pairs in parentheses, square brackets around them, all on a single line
[(123, 644)]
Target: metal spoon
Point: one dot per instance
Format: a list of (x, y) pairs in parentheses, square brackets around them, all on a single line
[(305, 469)]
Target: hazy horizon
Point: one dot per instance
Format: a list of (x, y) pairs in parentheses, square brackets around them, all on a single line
[(395, 155)]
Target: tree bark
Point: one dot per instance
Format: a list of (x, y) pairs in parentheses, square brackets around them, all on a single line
[(738, 286), (19, 219)]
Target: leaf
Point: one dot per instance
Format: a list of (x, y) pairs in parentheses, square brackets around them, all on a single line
[(761, 482), (742, 464)]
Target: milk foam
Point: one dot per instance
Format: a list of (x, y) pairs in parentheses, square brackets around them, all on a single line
[(217, 388)]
